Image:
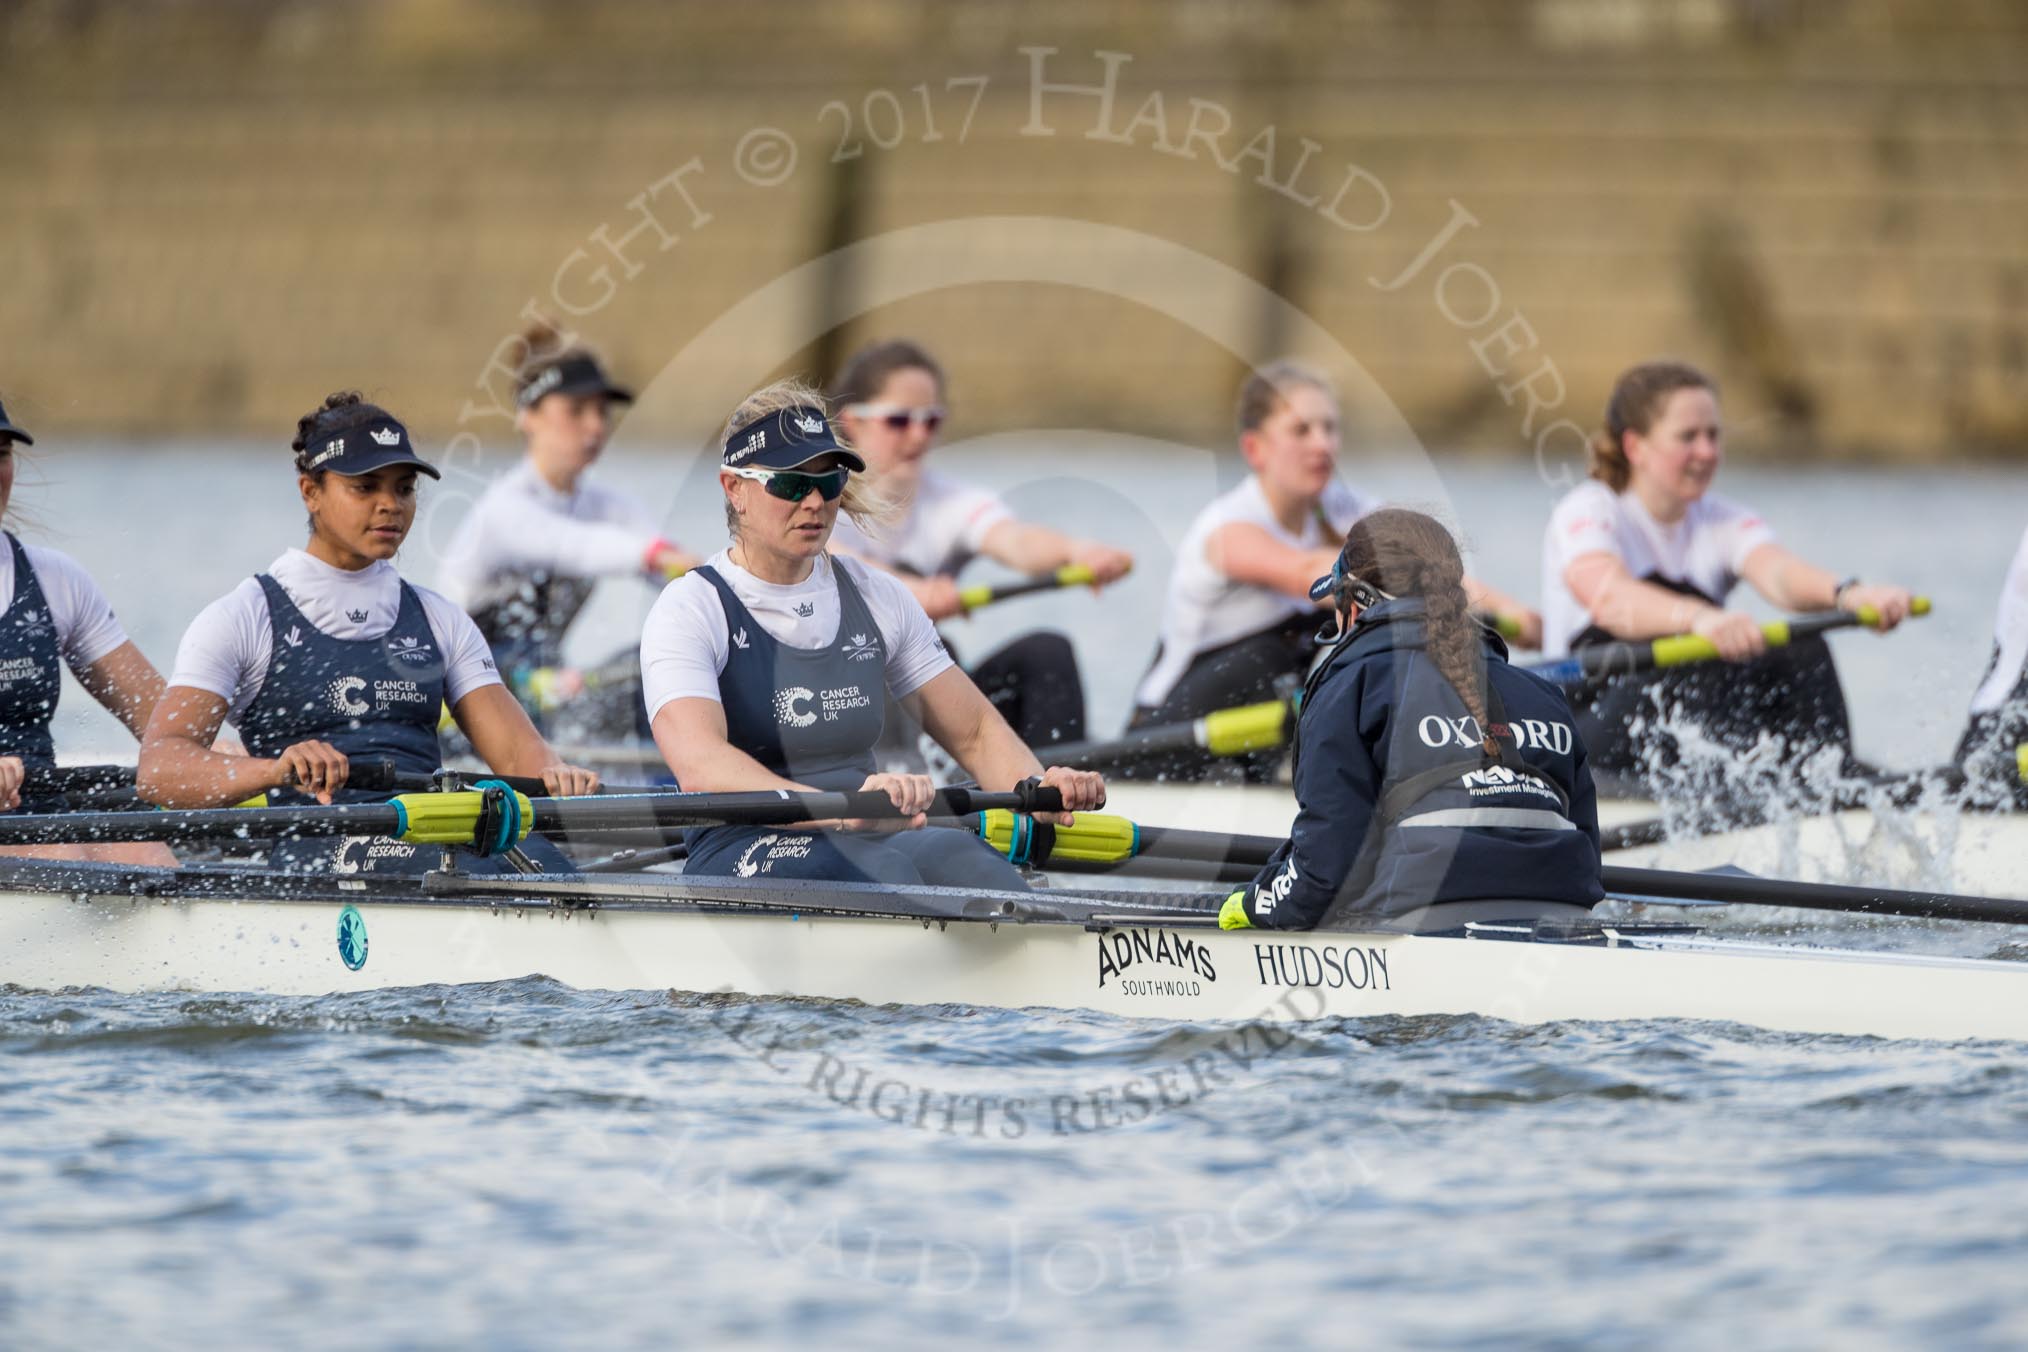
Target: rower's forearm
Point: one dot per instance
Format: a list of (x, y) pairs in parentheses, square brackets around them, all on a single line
[(1036, 549), (1796, 585), (1632, 609), (997, 758), (178, 773), (726, 769)]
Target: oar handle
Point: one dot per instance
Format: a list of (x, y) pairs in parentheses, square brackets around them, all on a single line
[(1506, 626), (1222, 732)]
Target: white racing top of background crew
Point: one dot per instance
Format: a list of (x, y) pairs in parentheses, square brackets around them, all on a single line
[(1707, 549), (2010, 632), (86, 629), (685, 644), (228, 646), (522, 524), (945, 527), (1205, 608)]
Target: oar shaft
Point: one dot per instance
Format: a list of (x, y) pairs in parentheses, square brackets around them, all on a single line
[(1225, 732), (1599, 661), (986, 594), (1637, 883), (453, 818)]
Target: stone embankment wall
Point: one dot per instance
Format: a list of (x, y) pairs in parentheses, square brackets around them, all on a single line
[(214, 214)]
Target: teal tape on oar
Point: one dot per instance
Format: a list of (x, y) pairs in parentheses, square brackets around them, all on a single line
[(499, 828)]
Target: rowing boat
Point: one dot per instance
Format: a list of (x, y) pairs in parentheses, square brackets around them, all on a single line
[(238, 930)]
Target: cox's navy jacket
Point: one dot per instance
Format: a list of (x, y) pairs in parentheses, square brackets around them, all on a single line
[(1378, 715)]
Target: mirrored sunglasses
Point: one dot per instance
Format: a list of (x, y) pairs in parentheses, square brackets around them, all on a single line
[(793, 485)]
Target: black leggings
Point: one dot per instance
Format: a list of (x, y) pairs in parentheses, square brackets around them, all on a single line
[(1631, 724), (1252, 670), (1034, 683)]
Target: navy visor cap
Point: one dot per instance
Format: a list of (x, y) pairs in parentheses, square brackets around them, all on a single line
[(364, 449), (579, 374), (8, 429), (787, 438)]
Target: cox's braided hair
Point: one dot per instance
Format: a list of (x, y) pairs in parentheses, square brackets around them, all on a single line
[(1407, 554)]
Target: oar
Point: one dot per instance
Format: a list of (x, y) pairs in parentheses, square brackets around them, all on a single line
[(1506, 626), (493, 819), (1598, 661), (1223, 732), (986, 594), (1099, 842), (373, 774), (548, 687)]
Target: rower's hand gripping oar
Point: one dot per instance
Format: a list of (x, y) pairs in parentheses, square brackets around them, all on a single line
[(1598, 661), (986, 594)]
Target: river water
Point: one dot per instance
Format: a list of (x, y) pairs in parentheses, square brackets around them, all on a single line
[(523, 1165)]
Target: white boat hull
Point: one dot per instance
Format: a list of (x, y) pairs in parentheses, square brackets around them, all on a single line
[(51, 940)]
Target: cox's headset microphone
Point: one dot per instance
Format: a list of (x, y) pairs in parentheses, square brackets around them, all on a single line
[(1339, 586)]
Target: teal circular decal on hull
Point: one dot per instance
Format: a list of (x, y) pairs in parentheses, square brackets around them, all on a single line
[(352, 937)]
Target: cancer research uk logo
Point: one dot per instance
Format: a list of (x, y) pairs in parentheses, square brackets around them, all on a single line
[(1122, 951), (344, 695), (798, 706), (768, 850)]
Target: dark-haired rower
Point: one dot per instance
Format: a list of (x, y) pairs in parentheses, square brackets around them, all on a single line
[(330, 654), (1644, 548)]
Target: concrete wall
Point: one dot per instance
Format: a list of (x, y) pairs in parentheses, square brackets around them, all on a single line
[(215, 214)]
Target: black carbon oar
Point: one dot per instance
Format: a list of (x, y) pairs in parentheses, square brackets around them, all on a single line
[(1100, 842), (493, 820), (1599, 661)]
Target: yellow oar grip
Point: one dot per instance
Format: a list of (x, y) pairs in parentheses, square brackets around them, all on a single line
[(1097, 837), (976, 595), (1507, 626), (450, 818), (1075, 575), (1868, 616), (2021, 761), (1250, 727), (1677, 649)]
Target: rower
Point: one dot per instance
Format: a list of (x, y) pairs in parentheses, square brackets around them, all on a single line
[(891, 402), (770, 667), (330, 654), (525, 560), (1237, 625), (56, 616), (1435, 784), (1644, 549), (1990, 752)]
